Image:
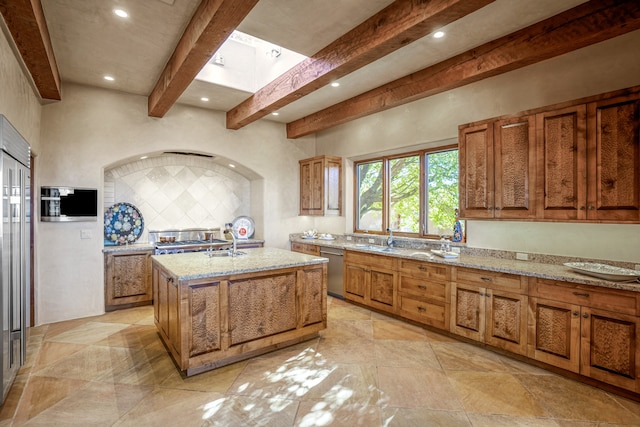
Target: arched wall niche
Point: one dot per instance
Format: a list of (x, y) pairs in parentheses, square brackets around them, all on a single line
[(182, 190)]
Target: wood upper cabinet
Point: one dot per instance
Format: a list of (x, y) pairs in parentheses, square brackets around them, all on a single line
[(321, 186), (562, 168), (490, 307), (613, 160), (586, 330), (497, 169), (371, 280), (127, 279)]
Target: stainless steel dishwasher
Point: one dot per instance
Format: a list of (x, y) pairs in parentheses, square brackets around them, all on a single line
[(334, 270)]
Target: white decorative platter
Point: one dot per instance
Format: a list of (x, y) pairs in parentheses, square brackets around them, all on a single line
[(326, 238), (604, 271), (309, 237)]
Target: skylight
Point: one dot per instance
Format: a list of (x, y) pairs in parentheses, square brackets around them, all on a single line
[(248, 63)]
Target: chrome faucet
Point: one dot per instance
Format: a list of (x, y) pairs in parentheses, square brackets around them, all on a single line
[(390, 241), (234, 252)]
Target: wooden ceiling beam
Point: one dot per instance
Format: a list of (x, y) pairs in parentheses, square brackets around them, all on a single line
[(397, 25), (211, 24), (28, 27), (581, 26)]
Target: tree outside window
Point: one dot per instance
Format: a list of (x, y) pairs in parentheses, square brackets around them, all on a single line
[(390, 195)]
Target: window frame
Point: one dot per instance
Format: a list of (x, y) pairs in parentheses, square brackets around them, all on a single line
[(386, 190)]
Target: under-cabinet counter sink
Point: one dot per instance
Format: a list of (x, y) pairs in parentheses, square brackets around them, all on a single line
[(376, 248)]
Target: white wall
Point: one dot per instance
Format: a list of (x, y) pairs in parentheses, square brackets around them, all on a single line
[(18, 102), (93, 128), (433, 121)]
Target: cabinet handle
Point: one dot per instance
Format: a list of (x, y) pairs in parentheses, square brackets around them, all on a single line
[(581, 294), (421, 309), (481, 294), (423, 287), (585, 315), (422, 268), (576, 314), (486, 279), (581, 208), (497, 208), (488, 295), (591, 207)]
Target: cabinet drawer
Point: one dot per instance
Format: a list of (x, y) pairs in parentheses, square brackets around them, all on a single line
[(378, 261), (425, 270), (606, 299), (431, 289), (492, 279), (430, 313), (305, 248)]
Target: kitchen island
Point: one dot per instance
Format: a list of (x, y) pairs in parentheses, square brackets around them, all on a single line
[(213, 311)]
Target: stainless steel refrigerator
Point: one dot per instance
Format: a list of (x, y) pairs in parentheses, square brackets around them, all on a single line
[(14, 252)]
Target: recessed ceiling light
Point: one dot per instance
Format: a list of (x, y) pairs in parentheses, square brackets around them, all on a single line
[(335, 84), (231, 165), (438, 35), (121, 13), (110, 78), (204, 99), (275, 113)]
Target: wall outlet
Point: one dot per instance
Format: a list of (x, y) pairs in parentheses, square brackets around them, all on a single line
[(522, 256), (455, 249), (86, 234), (372, 240), (349, 238)]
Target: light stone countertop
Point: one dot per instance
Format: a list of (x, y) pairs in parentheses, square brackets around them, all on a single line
[(135, 247), (526, 268), (198, 265)]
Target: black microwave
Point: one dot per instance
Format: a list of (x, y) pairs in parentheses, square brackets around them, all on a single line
[(68, 204)]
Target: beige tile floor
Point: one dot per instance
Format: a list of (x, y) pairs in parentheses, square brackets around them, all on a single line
[(365, 369)]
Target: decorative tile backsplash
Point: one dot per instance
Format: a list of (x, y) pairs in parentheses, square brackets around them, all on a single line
[(176, 191)]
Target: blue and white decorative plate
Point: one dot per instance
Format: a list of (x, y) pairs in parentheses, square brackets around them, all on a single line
[(123, 224)]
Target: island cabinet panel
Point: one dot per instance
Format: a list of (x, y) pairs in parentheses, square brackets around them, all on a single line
[(371, 280), (490, 307), (127, 279), (586, 329), (210, 322), (614, 159), (424, 292), (260, 307), (205, 327), (311, 301)]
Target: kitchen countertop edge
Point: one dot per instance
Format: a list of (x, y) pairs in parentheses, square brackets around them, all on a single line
[(525, 268)]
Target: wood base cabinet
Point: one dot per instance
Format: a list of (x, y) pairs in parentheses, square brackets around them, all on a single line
[(586, 330), (371, 280), (305, 248), (424, 292), (488, 313), (212, 322), (127, 276)]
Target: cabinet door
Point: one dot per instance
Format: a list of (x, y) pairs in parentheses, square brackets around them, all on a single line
[(311, 187), (381, 294), (355, 282), (609, 350), (476, 171), (468, 311), (561, 157), (554, 333), (162, 300), (506, 321), (514, 171), (614, 159)]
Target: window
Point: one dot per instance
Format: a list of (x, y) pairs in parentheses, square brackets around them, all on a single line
[(414, 194)]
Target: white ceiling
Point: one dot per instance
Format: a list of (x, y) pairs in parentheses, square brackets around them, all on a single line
[(89, 41)]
